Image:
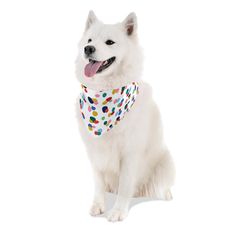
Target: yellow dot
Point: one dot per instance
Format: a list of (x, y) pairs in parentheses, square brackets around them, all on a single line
[(95, 113)]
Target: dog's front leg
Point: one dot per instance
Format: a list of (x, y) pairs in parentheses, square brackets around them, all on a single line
[(126, 189), (98, 205)]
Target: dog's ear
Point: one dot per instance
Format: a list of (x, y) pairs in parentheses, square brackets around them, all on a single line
[(91, 20), (130, 24)]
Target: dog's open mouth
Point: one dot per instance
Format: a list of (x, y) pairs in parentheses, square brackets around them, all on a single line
[(94, 67)]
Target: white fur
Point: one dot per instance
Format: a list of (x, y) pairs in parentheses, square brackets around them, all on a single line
[(131, 159)]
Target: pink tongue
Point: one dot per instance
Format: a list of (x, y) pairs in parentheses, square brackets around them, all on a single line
[(91, 68)]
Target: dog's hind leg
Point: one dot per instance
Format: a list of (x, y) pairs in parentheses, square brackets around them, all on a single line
[(163, 177)]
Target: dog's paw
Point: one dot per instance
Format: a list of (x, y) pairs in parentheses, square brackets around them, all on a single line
[(97, 209), (168, 195), (115, 215)]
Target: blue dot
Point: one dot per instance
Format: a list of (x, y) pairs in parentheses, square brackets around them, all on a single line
[(105, 109), (90, 100)]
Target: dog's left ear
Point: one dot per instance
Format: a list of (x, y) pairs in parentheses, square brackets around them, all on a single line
[(130, 24)]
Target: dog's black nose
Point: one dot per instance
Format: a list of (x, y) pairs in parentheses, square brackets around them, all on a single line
[(88, 50)]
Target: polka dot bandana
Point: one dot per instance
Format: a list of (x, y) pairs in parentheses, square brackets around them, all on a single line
[(102, 110)]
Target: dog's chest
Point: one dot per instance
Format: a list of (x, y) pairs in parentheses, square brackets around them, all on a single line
[(106, 152)]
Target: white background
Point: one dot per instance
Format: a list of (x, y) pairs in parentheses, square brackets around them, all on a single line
[(45, 178)]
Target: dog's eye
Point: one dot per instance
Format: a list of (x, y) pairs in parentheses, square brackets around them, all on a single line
[(89, 40), (109, 42)]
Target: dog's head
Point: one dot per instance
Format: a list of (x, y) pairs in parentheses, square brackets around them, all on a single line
[(108, 51)]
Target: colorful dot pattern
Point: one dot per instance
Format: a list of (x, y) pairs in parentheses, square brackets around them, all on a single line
[(103, 110)]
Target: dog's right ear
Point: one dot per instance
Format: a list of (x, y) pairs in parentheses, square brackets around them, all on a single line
[(91, 20)]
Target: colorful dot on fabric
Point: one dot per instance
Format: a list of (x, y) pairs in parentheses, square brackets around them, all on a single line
[(84, 88), (92, 119), (114, 91), (89, 108), (103, 118), (95, 101), (83, 115), (90, 128), (126, 105), (105, 109), (104, 95), (122, 89), (83, 97), (97, 95), (93, 108), (105, 122), (90, 100), (127, 91), (98, 132), (81, 103), (94, 113), (111, 114), (120, 103), (107, 100)]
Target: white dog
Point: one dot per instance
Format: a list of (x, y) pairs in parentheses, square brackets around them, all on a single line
[(118, 119)]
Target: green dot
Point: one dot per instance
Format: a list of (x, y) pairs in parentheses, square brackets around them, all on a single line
[(104, 95), (103, 118), (92, 118)]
